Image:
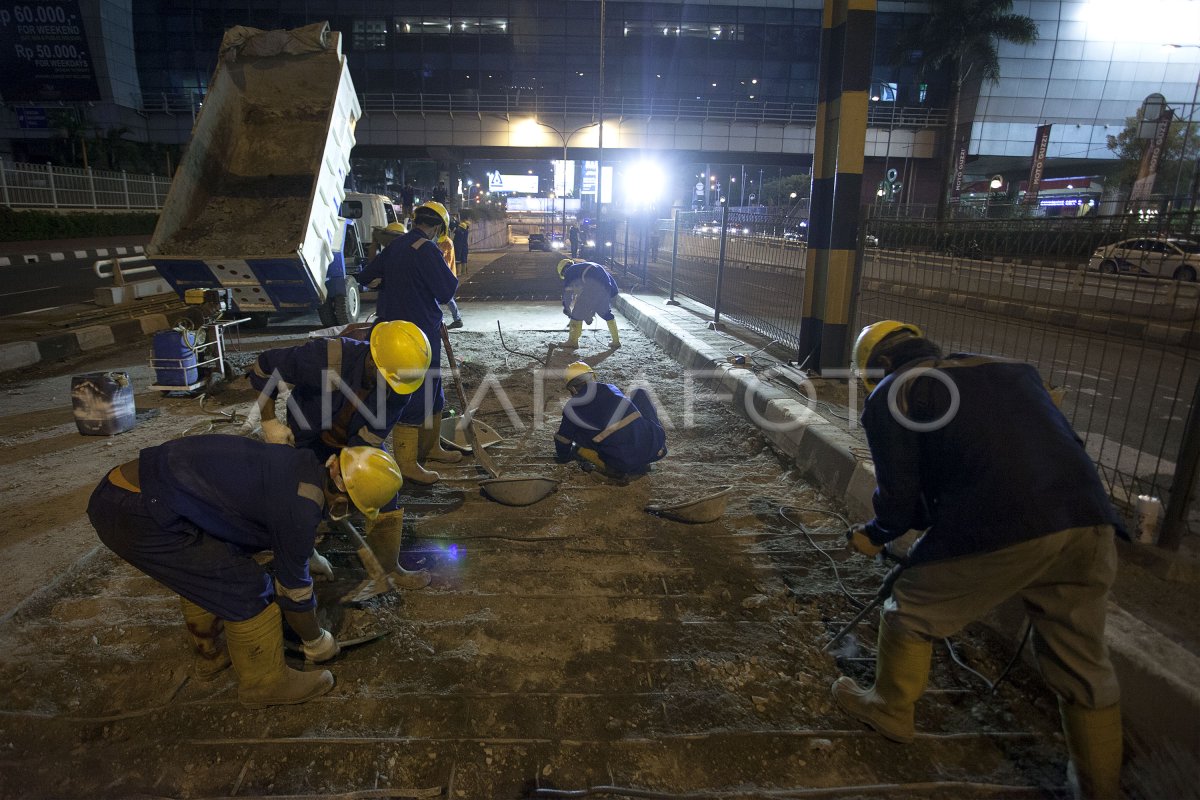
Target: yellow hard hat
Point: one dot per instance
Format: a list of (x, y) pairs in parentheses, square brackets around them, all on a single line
[(869, 338), (578, 369), (398, 227), (401, 353), (436, 209), (372, 477), (566, 262)]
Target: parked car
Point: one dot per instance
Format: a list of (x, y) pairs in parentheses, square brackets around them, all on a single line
[(537, 241), (871, 240), (1158, 256), (795, 235), (708, 228)]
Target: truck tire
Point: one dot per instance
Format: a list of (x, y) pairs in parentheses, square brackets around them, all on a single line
[(325, 314), (346, 306)]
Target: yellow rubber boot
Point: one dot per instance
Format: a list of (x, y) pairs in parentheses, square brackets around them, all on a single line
[(575, 330), (256, 647), (406, 448), (205, 631), (429, 447), (901, 673), (1095, 744), (385, 537), (612, 331)]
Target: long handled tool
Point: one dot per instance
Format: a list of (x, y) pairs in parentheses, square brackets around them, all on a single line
[(378, 582), (481, 455), (885, 591)]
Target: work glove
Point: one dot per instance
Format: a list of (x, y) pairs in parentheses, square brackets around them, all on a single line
[(857, 541), (275, 432), (319, 567), (321, 649)]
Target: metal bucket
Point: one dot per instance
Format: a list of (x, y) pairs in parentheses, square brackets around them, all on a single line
[(519, 490), (708, 508), (454, 434)]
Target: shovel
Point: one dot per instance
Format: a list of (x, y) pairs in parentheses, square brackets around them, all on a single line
[(379, 582), (481, 455)]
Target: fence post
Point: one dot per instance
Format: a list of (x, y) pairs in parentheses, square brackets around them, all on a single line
[(721, 266), (4, 182), (125, 184), (1175, 518), (154, 189), (92, 185), (53, 190), (671, 301)]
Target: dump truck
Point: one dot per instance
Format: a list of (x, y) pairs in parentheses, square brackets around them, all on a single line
[(255, 203)]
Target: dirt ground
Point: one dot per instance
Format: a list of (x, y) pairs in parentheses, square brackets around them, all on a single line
[(579, 642)]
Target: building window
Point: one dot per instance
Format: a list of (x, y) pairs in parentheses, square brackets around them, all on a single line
[(369, 34), (687, 30), (447, 26)]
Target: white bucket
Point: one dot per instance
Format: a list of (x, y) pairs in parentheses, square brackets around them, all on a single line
[(1149, 514)]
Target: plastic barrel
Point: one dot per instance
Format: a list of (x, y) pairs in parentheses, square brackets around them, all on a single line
[(173, 359), (103, 403)]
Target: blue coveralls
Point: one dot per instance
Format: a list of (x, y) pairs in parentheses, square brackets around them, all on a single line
[(588, 288), (416, 282), (624, 431), (327, 413), (205, 505)]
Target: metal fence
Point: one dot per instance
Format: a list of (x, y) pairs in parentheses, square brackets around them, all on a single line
[(47, 186), (1120, 336), (1121, 344)]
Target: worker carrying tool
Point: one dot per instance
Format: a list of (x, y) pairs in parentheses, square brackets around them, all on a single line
[(191, 513), (603, 429), (972, 450), (588, 289), (413, 280), (346, 393)]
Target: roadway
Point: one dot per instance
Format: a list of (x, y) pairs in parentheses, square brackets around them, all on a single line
[(47, 285)]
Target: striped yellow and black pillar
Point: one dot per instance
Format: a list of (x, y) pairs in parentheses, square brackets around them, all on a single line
[(847, 45)]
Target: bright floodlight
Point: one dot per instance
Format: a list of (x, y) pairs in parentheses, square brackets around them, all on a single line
[(644, 184)]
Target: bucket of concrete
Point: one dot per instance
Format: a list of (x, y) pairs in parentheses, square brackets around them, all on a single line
[(518, 490), (454, 434), (708, 508)]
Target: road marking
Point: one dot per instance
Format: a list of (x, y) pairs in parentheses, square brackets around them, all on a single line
[(34, 311), (27, 291), (57, 257), (81, 254)]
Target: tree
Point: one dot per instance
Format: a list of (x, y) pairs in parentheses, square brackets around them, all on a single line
[(962, 36), (779, 191), (1174, 168)]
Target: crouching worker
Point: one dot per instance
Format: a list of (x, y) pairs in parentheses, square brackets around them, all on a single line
[(973, 451), (602, 428), (192, 512), (347, 393), (588, 290)]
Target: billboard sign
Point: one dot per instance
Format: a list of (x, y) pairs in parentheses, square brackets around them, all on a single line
[(1041, 143), (44, 53), (512, 184)]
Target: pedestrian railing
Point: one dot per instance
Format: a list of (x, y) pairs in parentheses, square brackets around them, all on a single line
[(25, 185)]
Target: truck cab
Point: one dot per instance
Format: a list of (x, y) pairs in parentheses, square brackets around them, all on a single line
[(369, 211)]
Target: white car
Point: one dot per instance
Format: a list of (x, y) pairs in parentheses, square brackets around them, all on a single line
[(1158, 256)]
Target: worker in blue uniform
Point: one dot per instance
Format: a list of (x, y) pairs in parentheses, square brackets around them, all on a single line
[(601, 427), (414, 281), (191, 513), (588, 289), (345, 393), (972, 450)]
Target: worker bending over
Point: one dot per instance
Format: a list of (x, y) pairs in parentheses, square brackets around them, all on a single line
[(413, 280), (619, 435), (192, 512), (973, 451), (588, 290), (346, 393)]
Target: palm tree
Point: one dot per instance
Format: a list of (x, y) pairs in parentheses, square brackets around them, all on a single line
[(963, 36)]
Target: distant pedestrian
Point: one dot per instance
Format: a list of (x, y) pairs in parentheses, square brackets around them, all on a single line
[(462, 243), (439, 193), (573, 236), (407, 194)]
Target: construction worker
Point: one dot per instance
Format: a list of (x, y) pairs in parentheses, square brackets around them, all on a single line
[(462, 243), (192, 512), (345, 393), (588, 289), (602, 428), (446, 244), (972, 450), (414, 280)]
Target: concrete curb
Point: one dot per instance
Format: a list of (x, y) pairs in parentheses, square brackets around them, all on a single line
[(1158, 677), (24, 259), (18, 355)]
